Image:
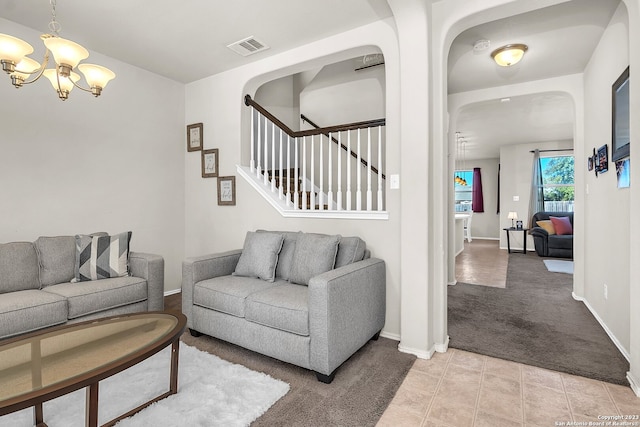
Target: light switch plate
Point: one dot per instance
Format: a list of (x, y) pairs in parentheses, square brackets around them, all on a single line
[(394, 182), (516, 198)]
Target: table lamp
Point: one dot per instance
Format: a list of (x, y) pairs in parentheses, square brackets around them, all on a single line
[(512, 215)]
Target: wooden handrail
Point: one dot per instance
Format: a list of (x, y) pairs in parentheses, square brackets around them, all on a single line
[(294, 134), (318, 130), (344, 147)]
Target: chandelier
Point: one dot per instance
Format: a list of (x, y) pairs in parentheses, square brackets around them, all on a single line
[(460, 153), (66, 54)]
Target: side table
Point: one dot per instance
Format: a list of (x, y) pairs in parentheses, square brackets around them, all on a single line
[(524, 239)]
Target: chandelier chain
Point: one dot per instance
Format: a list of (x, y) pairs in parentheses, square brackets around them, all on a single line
[(54, 25)]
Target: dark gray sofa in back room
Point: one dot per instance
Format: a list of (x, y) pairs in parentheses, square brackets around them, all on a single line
[(551, 245), (311, 300)]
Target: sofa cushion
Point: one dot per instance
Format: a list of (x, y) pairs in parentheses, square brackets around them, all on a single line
[(259, 255), (560, 242), (561, 224), (282, 307), (314, 254), (350, 250), (57, 257), (285, 259), (547, 225), (102, 257), (100, 295), (30, 310), (18, 267), (227, 294)]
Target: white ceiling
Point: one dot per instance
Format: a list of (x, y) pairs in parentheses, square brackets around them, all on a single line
[(186, 40), (561, 40)]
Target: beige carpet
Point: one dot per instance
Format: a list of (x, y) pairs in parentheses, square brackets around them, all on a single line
[(482, 262)]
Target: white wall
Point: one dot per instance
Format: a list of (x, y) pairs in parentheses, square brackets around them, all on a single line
[(83, 165), (607, 208), (279, 98), (217, 102)]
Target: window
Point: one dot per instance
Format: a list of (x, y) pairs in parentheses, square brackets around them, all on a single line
[(557, 183), (463, 185)]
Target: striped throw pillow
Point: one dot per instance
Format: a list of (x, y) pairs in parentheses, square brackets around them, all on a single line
[(102, 257)]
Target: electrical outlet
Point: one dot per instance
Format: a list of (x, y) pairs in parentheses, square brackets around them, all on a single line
[(606, 292)]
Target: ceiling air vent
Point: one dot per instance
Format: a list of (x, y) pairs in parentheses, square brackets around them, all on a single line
[(248, 46)]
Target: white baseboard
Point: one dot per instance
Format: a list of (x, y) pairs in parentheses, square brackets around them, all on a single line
[(421, 354), (442, 348), (455, 282), (172, 292), (634, 382), (617, 343), (389, 335)]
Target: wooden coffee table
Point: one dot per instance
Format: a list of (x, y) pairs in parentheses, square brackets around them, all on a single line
[(43, 365)]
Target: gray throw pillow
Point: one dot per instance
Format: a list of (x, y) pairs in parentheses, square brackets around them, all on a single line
[(259, 255), (350, 250), (57, 259), (314, 254)]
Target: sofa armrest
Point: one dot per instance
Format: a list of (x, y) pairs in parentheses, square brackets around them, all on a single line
[(539, 232), (346, 309), (196, 269), (151, 268)]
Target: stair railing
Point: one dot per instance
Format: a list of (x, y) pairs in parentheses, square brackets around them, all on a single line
[(302, 169)]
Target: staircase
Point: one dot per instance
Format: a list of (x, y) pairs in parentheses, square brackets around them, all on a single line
[(323, 172)]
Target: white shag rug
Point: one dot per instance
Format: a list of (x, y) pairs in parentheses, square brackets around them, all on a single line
[(211, 392), (559, 266)]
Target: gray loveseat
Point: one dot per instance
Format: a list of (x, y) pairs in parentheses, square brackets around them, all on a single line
[(307, 299), (36, 289)]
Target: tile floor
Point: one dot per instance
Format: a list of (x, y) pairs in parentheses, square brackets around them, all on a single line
[(482, 262), (460, 389)]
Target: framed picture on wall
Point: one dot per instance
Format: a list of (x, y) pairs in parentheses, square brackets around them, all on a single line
[(210, 163), (227, 190), (603, 159), (194, 137), (620, 135)]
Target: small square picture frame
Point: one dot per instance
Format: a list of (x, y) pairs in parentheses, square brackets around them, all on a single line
[(210, 161), (194, 137), (227, 190)]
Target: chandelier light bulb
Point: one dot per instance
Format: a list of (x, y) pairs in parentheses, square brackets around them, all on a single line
[(66, 84), (66, 52), (12, 50), (23, 70), (97, 76)]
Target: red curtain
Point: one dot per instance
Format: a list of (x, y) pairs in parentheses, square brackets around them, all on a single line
[(477, 204)]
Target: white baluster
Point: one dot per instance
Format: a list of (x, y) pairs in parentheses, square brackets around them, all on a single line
[(273, 157), (348, 170), (296, 174), (321, 191), (304, 173), (380, 204), (266, 153), (369, 194), (313, 174), (280, 190), (339, 193), (259, 147), (358, 177), (330, 176), (288, 194), (252, 164)]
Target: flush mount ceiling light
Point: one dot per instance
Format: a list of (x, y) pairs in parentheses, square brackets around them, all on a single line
[(67, 56), (509, 55)]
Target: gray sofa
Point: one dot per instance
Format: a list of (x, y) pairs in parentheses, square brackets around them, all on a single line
[(36, 289), (308, 299)]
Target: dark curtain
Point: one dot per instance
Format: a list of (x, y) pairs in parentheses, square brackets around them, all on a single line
[(498, 198), (477, 204)]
